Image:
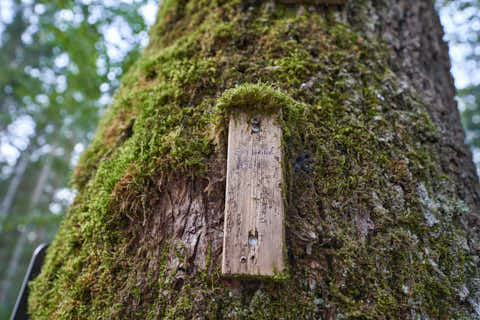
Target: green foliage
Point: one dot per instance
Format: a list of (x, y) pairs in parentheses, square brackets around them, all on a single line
[(67, 29), (467, 41), (470, 100)]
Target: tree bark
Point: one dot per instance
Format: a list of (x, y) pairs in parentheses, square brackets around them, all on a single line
[(419, 56), (380, 193)]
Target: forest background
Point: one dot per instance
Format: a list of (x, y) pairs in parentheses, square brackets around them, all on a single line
[(60, 64)]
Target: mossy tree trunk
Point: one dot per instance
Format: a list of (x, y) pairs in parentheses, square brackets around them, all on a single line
[(381, 194)]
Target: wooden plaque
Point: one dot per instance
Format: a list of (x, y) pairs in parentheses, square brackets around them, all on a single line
[(254, 209), (327, 2)]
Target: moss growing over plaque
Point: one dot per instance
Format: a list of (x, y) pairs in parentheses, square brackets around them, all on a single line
[(372, 222)]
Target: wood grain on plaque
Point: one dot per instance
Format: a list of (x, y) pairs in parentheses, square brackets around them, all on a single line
[(254, 209)]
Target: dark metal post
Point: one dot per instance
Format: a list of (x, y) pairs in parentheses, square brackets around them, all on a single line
[(20, 312)]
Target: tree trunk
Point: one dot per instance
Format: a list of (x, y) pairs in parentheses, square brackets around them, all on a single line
[(381, 196), (7, 201), (18, 251)]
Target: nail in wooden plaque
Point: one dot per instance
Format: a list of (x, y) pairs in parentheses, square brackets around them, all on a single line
[(254, 209)]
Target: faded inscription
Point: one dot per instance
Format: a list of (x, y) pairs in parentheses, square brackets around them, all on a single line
[(252, 159)]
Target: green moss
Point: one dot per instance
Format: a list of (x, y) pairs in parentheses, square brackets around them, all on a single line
[(255, 98), (362, 178)]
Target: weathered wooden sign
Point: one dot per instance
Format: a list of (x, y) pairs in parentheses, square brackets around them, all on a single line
[(254, 209), (315, 1)]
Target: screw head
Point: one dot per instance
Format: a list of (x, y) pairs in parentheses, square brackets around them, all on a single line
[(255, 123)]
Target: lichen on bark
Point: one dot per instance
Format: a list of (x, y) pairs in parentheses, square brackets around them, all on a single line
[(373, 218)]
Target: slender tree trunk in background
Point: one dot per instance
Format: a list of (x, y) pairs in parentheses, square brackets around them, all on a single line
[(6, 205), (44, 232), (18, 252), (380, 192), (9, 197)]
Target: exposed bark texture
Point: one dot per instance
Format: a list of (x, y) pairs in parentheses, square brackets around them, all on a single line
[(380, 199), (419, 56)]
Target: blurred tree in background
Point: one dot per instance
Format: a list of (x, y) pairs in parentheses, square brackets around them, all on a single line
[(60, 63)]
